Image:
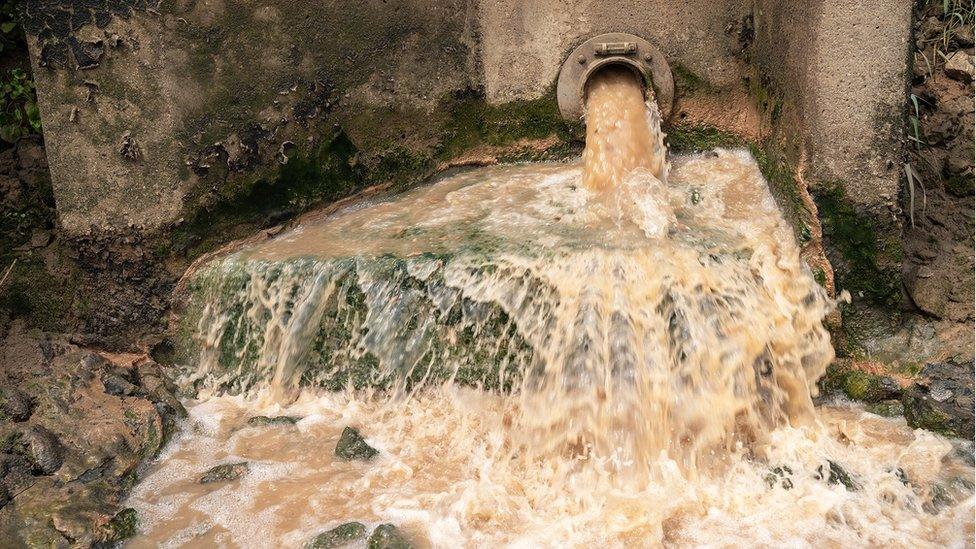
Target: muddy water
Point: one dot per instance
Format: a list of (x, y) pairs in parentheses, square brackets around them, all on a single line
[(447, 476), (622, 133), (672, 342)]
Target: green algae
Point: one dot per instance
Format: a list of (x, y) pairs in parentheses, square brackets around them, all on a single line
[(870, 266), (695, 138), (859, 385)]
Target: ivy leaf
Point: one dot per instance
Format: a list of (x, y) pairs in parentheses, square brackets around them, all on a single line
[(10, 132), (8, 27)]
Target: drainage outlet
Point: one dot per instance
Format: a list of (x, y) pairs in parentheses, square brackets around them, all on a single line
[(615, 48)]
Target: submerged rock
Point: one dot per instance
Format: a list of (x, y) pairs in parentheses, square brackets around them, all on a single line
[(887, 408), (942, 399), (837, 475), (339, 536), (227, 471), (262, 421), (781, 476), (387, 536), (352, 445)]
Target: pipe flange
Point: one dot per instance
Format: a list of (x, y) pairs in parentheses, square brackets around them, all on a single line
[(615, 48)]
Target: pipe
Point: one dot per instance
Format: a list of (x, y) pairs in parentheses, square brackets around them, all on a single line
[(615, 48)]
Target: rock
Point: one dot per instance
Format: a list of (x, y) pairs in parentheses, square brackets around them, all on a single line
[(43, 450), (939, 499), (929, 28), (116, 385), (92, 441), (837, 475), (901, 476), (15, 405), (781, 476), (964, 36), (352, 446), (887, 408), (339, 536), (122, 526), (4, 496), (387, 536), (941, 400), (263, 421), (959, 161), (860, 385), (960, 67), (227, 471)]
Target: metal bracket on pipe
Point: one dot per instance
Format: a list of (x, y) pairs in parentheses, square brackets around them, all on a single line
[(614, 48)]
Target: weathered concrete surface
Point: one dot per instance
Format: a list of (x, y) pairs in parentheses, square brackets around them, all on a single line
[(525, 42), (846, 63), (838, 70), (151, 107), (177, 96), (155, 111), (172, 124)]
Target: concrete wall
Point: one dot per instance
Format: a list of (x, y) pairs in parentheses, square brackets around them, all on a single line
[(839, 70), (524, 42), (844, 63), (149, 107), (153, 109)]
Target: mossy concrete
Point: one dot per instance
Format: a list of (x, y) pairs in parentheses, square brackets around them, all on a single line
[(186, 108), (833, 74), (195, 123)]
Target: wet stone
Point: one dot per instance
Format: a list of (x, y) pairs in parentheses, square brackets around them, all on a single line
[(901, 476), (860, 385), (352, 446), (116, 385), (263, 421), (387, 536), (227, 471), (339, 536), (43, 450), (942, 399), (781, 476), (887, 408), (837, 475), (122, 526), (939, 498)]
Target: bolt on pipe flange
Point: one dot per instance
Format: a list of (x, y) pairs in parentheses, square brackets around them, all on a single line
[(615, 48)]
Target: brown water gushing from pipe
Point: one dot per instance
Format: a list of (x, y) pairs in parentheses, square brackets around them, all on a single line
[(623, 130), (651, 341)]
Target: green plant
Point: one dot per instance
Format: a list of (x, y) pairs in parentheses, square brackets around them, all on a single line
[(912, 177), (954, 16), (10, 31), (19, 115), (915, 120)]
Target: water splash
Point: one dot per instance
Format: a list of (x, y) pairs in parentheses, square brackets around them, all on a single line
[(645, 340), (616, 338), (447, 476)]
